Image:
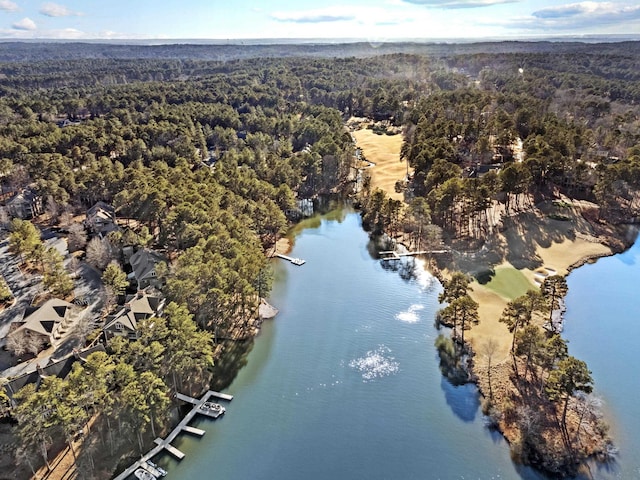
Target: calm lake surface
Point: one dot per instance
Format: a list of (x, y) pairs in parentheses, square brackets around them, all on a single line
[(344, 383), (602, 325)]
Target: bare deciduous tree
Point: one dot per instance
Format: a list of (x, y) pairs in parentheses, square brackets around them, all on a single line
[(66, 218), (109, 300), (488, 350), (52, 209), (4, 218), (77, 237), (74, 266), (17, 343), (83, 328), (34, 344), (98, 253)]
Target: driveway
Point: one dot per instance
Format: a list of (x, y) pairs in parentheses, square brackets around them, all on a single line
[(88, 293)]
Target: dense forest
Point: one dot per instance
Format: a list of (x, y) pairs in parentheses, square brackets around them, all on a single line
[(207, 150)]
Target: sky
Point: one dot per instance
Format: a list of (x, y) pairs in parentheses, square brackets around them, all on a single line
[(373, 20)]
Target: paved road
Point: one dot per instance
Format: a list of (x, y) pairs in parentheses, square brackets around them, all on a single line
[(23, 286)]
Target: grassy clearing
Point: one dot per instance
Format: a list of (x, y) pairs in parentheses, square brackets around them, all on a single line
[(384, 151), (509, 283)]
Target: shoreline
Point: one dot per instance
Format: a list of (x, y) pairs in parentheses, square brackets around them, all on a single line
[(553, 237), (497, 378)]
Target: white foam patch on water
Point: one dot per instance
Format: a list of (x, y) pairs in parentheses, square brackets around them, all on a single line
[(411, 315), (375, 364)]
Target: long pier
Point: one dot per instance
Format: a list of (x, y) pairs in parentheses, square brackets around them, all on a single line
[(183, 426), (393, 255)]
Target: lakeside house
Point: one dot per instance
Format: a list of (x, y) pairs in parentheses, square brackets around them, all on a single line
[(101, 218), (54, 368), (138, 307), (143, 263), (45, 323)]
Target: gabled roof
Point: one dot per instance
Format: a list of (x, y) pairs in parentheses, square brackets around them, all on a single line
[(27, 194), (137, 307), (101, 213), (144, 262), (43, 319), (102, 209), (58, 368)]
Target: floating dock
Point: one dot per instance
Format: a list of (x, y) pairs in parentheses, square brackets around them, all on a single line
[(193, 430), (295, 261), (183, 426)]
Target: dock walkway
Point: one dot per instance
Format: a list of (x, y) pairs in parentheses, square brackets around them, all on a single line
[(393, 255), (295, 261), (183, 426)]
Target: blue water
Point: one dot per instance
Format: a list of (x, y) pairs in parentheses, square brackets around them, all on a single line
[(602, 325), (344, 383)]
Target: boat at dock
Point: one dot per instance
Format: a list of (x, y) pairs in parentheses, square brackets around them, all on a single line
[(213, 408), (143, 474), (143, 468), (157, 471)]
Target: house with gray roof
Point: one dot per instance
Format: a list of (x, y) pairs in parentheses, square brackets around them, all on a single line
[(143, 264), (24, 204), (137, 308), (46, 323), (101, 218), (54, 368)]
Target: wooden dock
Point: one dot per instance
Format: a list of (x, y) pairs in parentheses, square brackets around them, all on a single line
[(295, 261), (183, 426), (193, 430), (170, 448), (393, 255)]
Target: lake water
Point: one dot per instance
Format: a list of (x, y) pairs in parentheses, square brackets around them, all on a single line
[(345, 384), (602, 325)]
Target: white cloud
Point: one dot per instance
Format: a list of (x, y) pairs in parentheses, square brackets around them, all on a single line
[(372, 16), (64, 33), (54, 10), (588, 9), (25, 24), (8, 6), (321, 15), (72, 34), (458, 3), (578, 16)]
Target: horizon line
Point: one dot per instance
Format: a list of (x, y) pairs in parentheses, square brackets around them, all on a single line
[(332, 40)]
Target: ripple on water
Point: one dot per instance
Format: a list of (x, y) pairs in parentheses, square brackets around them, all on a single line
[(375, 364), (410, 315)]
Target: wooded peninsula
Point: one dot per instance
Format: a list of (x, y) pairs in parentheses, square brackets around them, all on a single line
[(169, 173)]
